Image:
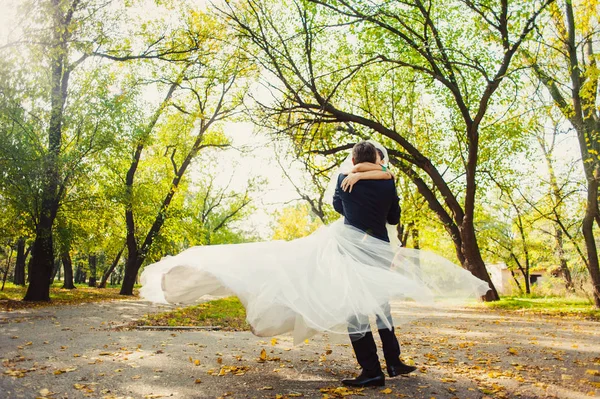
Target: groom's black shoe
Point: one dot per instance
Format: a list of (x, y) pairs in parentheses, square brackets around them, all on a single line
[(366, 380), (399, 368)]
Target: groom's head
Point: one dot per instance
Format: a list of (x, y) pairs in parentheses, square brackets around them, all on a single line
[(364, 152)]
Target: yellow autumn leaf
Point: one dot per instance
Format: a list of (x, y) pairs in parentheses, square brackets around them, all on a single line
[(386, 391), (196, 362), (197, 381), (592, 372), (273, 341), (513, 351), (263, 355)]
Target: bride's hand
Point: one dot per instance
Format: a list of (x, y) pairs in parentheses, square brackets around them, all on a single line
[(349, 181)]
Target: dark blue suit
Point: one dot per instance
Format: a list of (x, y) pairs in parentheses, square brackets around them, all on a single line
[(368, 207)]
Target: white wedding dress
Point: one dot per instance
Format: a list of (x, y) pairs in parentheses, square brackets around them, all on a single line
[(326, 282), (312, 284)]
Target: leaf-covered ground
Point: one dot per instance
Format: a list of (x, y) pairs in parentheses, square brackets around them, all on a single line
[(83, 351), (227, 314), (10, 297)]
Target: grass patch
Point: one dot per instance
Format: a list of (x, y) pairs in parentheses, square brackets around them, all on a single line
[(227, 313), (549, 306), (12, 295)]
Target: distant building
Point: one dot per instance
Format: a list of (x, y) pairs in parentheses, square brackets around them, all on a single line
[(504, 281)]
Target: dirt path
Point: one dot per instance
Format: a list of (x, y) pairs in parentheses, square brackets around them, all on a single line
[(75, 352)]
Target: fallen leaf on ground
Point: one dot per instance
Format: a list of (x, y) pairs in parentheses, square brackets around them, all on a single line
[(263, 356), (44, 392)]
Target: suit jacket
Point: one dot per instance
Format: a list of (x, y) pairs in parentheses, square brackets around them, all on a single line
[(369, 206)]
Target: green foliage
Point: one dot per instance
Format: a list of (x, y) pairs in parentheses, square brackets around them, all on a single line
[(295, 222)]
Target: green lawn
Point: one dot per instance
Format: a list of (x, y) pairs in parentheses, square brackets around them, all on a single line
[(227, 313), (550, 306)]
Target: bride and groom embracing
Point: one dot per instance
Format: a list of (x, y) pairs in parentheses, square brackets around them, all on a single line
[(330, 281)]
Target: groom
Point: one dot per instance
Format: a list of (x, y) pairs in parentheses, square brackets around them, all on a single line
[(368, 207)]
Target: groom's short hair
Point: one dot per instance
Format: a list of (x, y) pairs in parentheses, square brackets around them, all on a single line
[(364, 152)]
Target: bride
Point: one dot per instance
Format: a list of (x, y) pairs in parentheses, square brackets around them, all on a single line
[(316, 283)]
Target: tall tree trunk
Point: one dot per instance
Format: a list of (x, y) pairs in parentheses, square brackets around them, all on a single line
[(43, 251), (55, 270), (119, 276), (110, 270), (560, 252), (79, 275), (92, 260), (134, 258), (590, 243), (557, 198), (415, 238), (68, 266), (514, 276), (10, 251), (131, 269), (473, 260), (19, 278), (41, 262)]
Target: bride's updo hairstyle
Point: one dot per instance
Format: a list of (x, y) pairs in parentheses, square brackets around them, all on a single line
[(364, 152)]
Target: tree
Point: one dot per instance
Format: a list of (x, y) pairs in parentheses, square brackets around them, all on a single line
[(423, 38), (53, 184), (206, 89), (557, 196), (563, 60), (57, 120), (295, 222), (19, 278), (53, 121)]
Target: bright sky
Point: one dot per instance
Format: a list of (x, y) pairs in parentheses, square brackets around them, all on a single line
[(258, 160)]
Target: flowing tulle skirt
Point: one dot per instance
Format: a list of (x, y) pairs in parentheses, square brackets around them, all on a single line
[(327, 281)]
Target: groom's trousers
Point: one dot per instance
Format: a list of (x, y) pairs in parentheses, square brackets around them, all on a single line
[(364, 344)]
